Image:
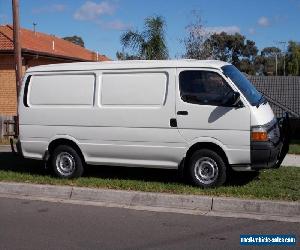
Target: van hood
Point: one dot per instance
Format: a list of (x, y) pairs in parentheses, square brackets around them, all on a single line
[(261, 115)]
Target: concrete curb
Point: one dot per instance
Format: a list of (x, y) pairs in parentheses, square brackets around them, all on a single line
[(134, 199), (24, 189), (280, 208)]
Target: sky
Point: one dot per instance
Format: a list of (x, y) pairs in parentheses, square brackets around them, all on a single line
[(101, 23)]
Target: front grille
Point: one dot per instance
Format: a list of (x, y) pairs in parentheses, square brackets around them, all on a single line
[(274, 133)]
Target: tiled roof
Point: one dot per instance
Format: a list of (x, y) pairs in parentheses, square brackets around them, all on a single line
[(282, 92), (41, 43)]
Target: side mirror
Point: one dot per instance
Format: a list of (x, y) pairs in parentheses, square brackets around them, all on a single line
[(236, 98), (232, 99)]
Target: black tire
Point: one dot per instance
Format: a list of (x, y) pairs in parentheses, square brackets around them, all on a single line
[(207, 169), (66, 162)]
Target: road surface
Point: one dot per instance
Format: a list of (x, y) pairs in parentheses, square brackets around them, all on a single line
[(28, 224)]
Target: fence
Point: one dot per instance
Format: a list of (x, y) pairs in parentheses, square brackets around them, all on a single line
[(282, 92), (6, 126)]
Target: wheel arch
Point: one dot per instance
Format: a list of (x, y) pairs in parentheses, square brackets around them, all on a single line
[(207, 145), (65, 141)]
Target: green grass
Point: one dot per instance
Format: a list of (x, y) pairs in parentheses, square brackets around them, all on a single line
[(294, 147), (279, 184)]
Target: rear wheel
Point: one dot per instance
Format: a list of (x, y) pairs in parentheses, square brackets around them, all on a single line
[(66, 162), (207, 169)]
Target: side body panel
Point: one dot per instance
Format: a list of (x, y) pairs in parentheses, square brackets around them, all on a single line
[(227, 127), (106, 131), (261, 115)]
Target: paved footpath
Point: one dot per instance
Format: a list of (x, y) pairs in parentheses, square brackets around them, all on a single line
[(291, 160)]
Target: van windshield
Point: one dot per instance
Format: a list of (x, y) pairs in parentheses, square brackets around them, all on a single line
[(244, 85)]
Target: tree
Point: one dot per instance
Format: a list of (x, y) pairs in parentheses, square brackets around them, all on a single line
[(125, 56), (75, 39), (149, 44), (231, 48), (293, 58), (201, 44), (269, 59), (270, 51), (235, 49), (196, 45)]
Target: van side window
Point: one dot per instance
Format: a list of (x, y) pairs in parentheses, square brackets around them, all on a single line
[(203, 87)]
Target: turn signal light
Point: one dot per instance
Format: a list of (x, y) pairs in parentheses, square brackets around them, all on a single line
[(259, 136)]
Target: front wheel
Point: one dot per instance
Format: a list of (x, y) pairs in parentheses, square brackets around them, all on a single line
[(207, 169), (66, 162)]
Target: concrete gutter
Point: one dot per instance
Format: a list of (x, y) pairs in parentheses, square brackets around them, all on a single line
[(188, 204)]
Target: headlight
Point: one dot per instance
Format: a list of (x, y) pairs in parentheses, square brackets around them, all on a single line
[(265, 132), (259, 134)]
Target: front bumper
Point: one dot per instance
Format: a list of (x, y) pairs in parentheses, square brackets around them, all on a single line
[(270, 154), (265, 154)]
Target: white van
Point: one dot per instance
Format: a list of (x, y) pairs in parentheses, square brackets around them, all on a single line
[(202, 117)]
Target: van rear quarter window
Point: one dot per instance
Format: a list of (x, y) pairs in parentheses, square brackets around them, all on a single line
[(61, 90), (145, 88)]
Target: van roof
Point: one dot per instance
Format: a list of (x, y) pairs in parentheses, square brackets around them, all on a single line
[(129, 64)]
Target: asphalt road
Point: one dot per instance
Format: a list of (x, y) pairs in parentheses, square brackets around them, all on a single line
[(27, 224)]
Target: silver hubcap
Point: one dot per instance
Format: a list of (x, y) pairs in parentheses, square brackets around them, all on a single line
[(206, 170), (65, 164)]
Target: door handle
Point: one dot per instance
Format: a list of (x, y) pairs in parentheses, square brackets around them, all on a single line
[(182, 112), (173, 123)]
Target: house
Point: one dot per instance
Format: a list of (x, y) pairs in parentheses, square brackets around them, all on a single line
[(37, 49), (283, 94)]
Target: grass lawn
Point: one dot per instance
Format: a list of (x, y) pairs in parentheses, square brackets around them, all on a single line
[(280, 184), (295, 147)]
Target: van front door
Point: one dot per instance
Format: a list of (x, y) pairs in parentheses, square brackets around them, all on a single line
[(202, 115)]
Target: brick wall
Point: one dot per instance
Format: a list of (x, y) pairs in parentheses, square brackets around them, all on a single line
[(35, 61), (8, 103), (8, 100)]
